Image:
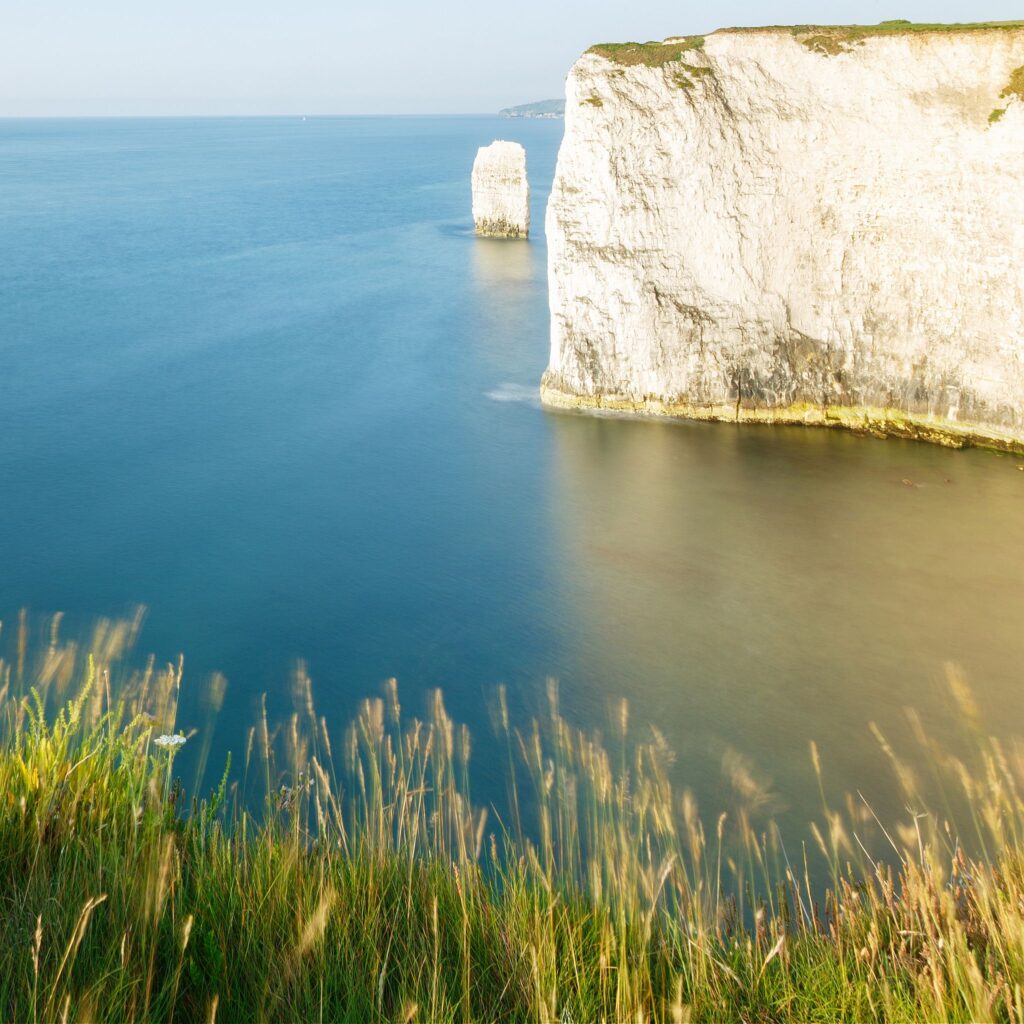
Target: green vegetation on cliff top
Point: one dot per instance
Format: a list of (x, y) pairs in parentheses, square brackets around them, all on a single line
[(825, 39), (652, 54)]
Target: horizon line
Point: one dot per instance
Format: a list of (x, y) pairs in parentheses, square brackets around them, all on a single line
[(299, 116)]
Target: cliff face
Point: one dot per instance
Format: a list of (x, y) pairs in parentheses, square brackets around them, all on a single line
[(765, 225), (501, 193)]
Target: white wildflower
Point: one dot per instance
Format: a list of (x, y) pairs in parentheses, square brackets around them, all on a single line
[(170, 742)]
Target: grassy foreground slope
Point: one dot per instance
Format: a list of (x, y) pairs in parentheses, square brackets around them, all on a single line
[(369, 887)]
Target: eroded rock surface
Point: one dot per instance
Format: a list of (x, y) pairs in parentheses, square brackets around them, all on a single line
[(501, 193), (785, 229)]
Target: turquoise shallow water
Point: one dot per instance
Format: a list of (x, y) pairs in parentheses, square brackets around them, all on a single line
[(259, 376)]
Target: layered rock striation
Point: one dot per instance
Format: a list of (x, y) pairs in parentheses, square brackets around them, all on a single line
[(501, 193), (796, 225)]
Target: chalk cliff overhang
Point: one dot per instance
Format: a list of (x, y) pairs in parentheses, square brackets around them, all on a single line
[(817, 225)]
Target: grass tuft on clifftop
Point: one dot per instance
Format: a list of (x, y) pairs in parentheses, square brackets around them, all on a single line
[(652, 55), (828, 40), (831, 40), (883, 28)]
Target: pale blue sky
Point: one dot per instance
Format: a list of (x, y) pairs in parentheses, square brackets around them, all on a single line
[(339, 56)]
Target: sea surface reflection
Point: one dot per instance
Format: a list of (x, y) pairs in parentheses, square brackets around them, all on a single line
[(756, 588)]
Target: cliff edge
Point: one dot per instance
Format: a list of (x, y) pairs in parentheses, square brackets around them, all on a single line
[(816, 225)]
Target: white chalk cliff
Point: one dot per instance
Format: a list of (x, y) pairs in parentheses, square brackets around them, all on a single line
[(501, 193), (817, 226)]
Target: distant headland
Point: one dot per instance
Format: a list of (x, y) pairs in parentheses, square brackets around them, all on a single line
[(548, 109)]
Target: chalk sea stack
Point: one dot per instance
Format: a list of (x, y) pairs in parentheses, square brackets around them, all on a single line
[(813, 225), (501, 193)]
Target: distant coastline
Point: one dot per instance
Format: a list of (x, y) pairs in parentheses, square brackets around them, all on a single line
[(548, 109)]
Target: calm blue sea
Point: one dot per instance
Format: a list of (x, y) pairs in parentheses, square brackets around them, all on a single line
[(259, 376)]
